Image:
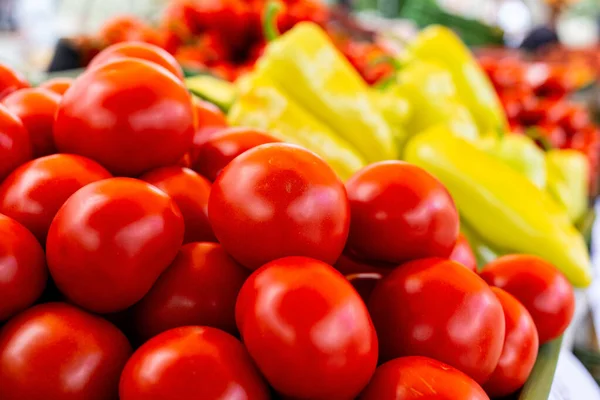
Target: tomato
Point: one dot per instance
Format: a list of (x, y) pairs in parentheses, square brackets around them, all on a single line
[(410, 378), (437, 308), (208, 119), (400, 212), (539, 286), (278, 200), (57, 85), (36, 108), (23, 272), (307, 329), (463, 254), (15, 144), (190, 192), (191, 363), (519, 351), (139, 50), (217, 151), (129, 115), (110, 242), (199, 288), (10, 81), (55, 351), (35, 191)]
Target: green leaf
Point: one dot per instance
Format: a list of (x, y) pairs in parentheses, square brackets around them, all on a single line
[(540, 381)]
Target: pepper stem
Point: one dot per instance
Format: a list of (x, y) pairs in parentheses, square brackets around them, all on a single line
[(270, 30)]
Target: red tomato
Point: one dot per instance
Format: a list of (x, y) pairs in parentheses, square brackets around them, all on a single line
[(110, 242), (437, 308), (139, 50), (400, 212), (519, 351), (539, 286), (10, 81), (15, 144), (129, 115), (409, 378), (22, 268), (192, 363), (36, 108), (190, 192), (57, 85), (208, 119), (279, 200), (199, 288), (463, 254), (219, 149), (307, 329), (56, 351), (35, 191)]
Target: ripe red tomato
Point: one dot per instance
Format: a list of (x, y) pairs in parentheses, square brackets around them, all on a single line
[(519, 351), (138, 50), (208, 119), (129, 115), (22, 268), (307, 329), (400, 212), (57, 85), (437, 308), (279, 200), (36, 108), (190, 192), (219, 149), (191, 363), (409, 378), (35, 191), (110, 242), (15, 144), (199, 288), (56, 351), (539, 286), (10, 81), (463, 254)]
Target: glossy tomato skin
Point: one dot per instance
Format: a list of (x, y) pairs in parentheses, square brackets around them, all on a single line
[(57, 85), (463, 254), (423, 308), (190, 192), (15, 143), (307, 329), (540, 287), (139, 50), (519, 351), (36, 190), (138, 117), (36, 108), (200, 287), (399, 213), (10, 81), (409, 378), (56, 351), (111, 240), (217, 151), (23, 268), (279, 200), (203, 363)]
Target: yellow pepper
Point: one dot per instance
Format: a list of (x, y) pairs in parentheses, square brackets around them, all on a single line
[(261, 104), (439, 44), (432, 94), (309, 69), (503, 208), (568, 175)]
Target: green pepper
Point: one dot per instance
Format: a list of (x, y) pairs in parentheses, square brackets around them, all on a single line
[(503, 208), (439, 44), (568, 175)]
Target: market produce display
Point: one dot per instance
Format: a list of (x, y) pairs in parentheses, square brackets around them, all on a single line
[(310, 236)]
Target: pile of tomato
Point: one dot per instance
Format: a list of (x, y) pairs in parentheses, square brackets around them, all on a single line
[(148, 251)]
